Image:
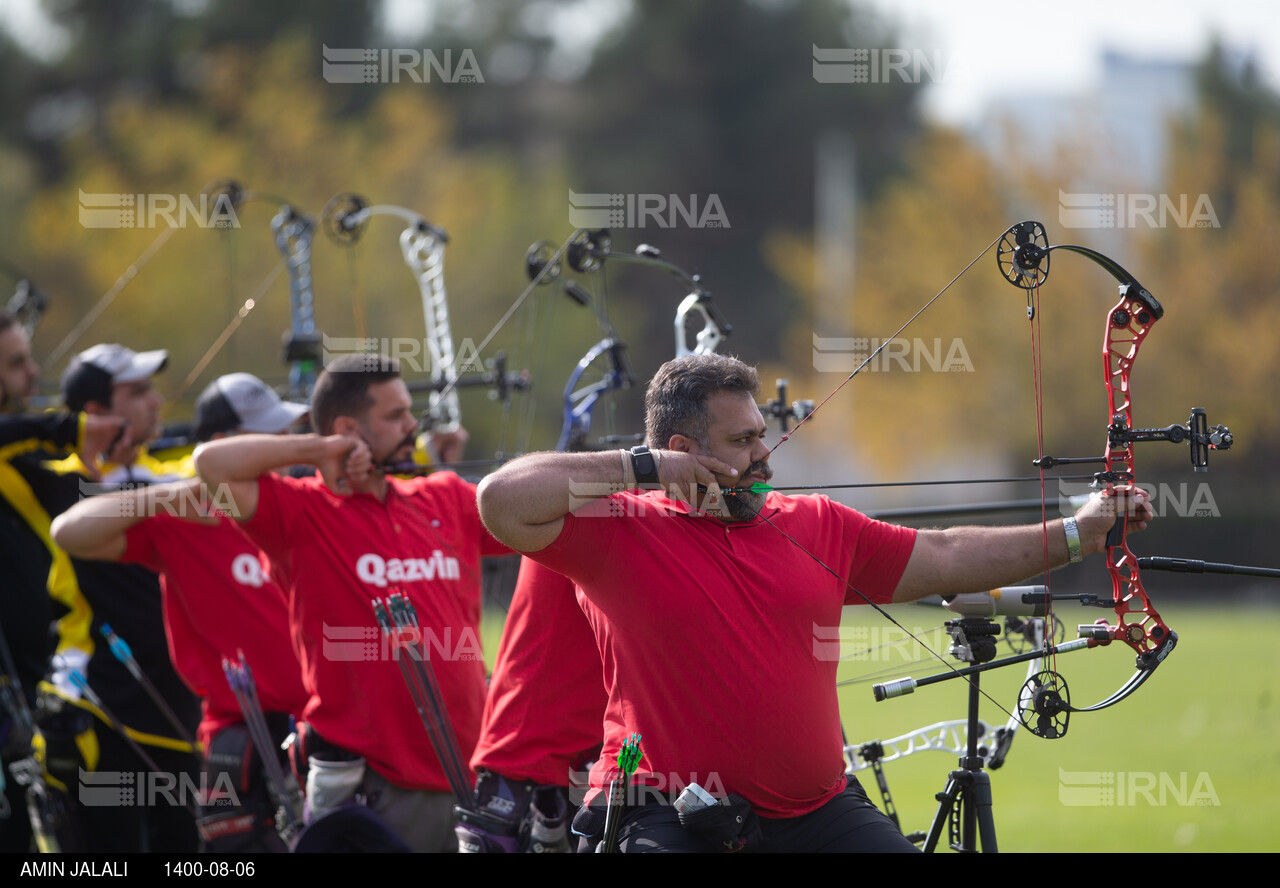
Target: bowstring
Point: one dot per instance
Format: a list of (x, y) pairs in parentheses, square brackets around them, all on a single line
[(833, 393), (885, 343), (1037, 383)]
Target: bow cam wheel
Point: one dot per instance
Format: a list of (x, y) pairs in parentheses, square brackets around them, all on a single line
[(1023, 255), (1044, 705)]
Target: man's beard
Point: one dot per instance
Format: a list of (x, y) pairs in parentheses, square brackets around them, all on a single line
[(744, 505), (410, 441)]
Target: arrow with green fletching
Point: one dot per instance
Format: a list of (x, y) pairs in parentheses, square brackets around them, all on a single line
[(628, 760)]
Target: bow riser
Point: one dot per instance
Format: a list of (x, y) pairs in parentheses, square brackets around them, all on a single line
[(1138, 624)]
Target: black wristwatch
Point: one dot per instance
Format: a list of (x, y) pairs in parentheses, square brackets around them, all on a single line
[(644, 465)]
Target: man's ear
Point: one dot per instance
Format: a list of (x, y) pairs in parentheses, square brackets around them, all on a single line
[(345, 425), (93, 408), (681, 444)]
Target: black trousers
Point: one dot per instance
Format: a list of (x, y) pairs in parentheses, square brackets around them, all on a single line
[(849, 823)]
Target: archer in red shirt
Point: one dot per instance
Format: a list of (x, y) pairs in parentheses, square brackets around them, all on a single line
[(705, 609), (219, 600), (344, 538)]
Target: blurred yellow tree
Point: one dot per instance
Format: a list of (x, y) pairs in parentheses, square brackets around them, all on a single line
[(269, 122)]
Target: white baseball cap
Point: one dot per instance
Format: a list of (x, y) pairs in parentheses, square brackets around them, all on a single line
[(91, 373)]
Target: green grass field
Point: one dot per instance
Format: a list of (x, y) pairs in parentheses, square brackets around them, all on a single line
[(1192, 759)]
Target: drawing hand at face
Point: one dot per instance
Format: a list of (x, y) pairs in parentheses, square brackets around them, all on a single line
[(346, 464)]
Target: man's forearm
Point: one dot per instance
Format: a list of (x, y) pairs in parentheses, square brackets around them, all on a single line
[(976, 559), (95, 528), (245, 457), (523, 502), (59, 430)]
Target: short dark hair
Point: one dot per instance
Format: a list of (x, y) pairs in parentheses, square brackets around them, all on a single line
[(343, 388), (675, 402), (83, 383), (7, 320)]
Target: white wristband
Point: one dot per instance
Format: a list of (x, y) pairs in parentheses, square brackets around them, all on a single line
[(1073, 540)]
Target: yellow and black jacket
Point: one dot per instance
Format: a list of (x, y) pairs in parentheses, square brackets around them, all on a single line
[(82, 595)]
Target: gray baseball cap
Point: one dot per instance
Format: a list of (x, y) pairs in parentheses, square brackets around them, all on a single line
[(243, 402)]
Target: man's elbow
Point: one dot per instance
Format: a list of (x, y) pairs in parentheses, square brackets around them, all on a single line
[(62, 537), (209, 465), (492, 500), (67, 535)]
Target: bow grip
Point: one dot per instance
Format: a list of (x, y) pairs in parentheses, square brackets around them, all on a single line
[(1115, 536)]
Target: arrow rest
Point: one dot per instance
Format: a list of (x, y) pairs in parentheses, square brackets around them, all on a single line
[(1020, 634), (1044, 705)]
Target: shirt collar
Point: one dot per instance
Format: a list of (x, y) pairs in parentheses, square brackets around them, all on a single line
[(681, 508)]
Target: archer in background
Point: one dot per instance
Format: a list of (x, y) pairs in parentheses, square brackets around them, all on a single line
[(28, 611), (341, 539), (541, 723), (704, 610), (19, 373), (220, 598), (112, 410)]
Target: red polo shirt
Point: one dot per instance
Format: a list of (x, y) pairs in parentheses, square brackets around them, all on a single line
[(711, 637), (219, 598), (546, 695), (334, 555)]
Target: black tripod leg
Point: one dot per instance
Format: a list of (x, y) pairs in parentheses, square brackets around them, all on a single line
[(947, 800), (981, 802)]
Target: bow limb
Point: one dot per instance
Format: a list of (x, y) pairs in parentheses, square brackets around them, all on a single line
[(423, 247), (586, 252), (293, 233), (579, 403)]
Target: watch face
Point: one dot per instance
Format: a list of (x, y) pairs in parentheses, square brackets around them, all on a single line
[(643, 463)]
